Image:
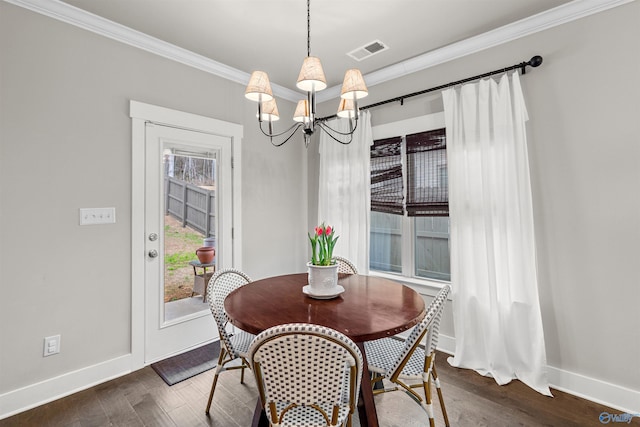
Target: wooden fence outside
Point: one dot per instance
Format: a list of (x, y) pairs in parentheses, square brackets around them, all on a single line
[(195, 206), (431, 247), (192, 205)]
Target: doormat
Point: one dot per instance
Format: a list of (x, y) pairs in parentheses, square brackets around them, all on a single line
[(186, 365)]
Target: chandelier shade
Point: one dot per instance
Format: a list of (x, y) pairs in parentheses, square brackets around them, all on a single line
[(302, 111), (270, 111), (311, 75), (346, 109), (259, 87), (353, 86)]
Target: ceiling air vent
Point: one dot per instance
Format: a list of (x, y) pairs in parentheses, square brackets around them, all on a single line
[(368, 50)]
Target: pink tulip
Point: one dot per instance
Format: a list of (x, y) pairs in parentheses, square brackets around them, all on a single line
[(322, 244)]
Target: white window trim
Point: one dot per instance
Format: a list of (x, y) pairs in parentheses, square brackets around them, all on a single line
[(421, 285), (401, 128), (409, 126)]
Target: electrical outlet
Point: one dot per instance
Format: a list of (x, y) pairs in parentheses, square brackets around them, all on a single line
[(51, 345), (91, 216)]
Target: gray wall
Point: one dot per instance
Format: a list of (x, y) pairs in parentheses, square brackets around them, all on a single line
[(65, 143), (585, 165), (65, 138)]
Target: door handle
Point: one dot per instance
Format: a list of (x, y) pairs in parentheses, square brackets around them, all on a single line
[(153, 253)]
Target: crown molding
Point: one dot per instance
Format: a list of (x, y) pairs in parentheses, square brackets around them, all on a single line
[(548, 19), (553, 17), (88, 21)]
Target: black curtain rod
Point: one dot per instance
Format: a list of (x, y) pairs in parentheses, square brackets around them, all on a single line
[(533, 62)]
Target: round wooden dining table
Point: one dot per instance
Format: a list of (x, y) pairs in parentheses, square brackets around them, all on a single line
[(370, 308)]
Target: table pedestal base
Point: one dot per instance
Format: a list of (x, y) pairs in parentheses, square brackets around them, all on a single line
[(366, 406), (259, 416)]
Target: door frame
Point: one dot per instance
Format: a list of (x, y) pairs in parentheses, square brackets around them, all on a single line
[(141, 113)]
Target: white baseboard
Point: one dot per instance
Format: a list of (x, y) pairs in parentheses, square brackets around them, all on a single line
[(620, 398), (22, 399), (446, 344), (612, 395)]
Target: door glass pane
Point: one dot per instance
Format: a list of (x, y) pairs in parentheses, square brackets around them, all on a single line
[(189, 224), (385, 246), (432, 248)]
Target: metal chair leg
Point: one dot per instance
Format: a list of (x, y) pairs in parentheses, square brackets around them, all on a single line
[(219, 369), (245, 365), (428, 405), (436, 381)]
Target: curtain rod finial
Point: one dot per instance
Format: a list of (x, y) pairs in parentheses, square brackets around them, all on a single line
[(535, 61)]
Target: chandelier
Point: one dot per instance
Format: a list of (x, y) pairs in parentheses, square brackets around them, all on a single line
[(311, 80)]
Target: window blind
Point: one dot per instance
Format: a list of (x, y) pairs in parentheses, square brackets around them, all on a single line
[(427, 178), (387, 190)]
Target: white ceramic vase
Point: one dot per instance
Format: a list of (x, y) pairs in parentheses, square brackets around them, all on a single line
[(322, 278)]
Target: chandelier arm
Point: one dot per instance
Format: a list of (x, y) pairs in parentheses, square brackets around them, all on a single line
[(292, 129), (329, 131), (326, 127), (275, 135), (283, 142)]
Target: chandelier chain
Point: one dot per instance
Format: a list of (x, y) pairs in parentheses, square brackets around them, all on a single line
[(308, 27)]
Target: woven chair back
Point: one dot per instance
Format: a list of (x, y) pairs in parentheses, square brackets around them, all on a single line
[(306, 364), (221, 284), (428, 329), (345, 266)]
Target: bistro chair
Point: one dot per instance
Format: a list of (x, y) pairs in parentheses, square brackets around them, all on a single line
[(345, 266), (307, 375), (234, 342), (399, 360)]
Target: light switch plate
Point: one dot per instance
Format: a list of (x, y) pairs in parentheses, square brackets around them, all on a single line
[(51, 345), (92, 216)]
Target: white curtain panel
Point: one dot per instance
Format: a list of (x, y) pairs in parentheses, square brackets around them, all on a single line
[(344, 196), (496, 311)]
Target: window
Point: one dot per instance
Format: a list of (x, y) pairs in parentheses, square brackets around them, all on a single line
[(385, 242), (431, 240), (409, 204)]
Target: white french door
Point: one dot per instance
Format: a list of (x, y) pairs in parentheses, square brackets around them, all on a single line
[(172, 327)]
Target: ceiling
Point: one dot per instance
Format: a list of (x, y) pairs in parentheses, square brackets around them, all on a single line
[(271, 35), (232, 38)]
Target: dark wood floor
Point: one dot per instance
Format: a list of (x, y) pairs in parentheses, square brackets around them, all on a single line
[(143, 399)]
